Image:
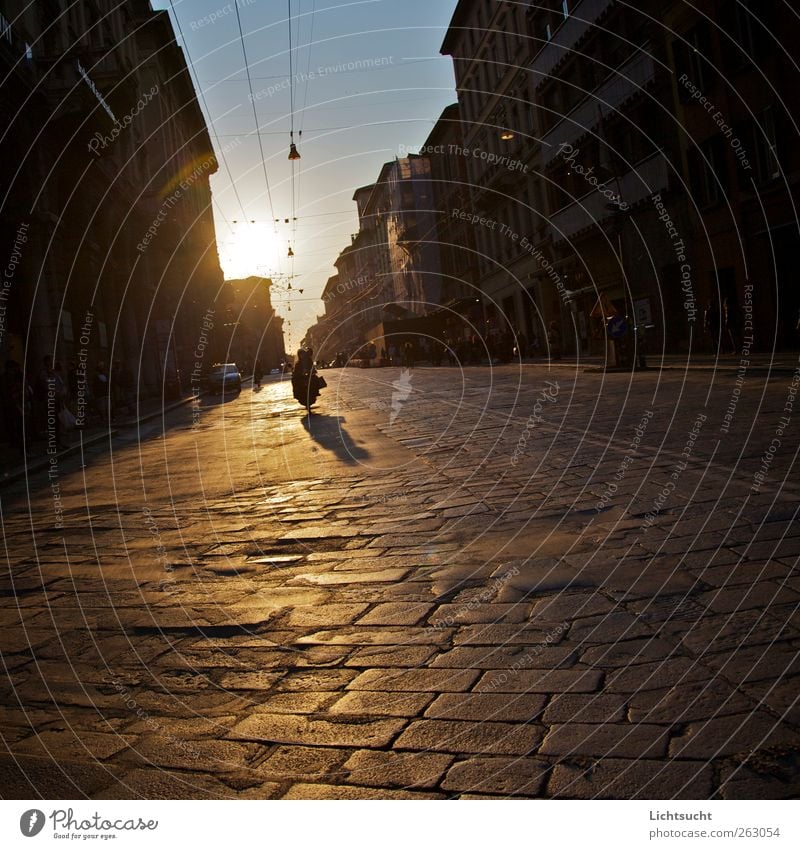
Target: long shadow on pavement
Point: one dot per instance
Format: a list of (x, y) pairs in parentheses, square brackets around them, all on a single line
[(329, 432), (22, 488)]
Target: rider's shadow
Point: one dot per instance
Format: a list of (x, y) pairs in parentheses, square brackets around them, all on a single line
[(329, 432)]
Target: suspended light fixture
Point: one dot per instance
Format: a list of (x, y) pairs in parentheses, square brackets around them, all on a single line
[(294, 154), (291, 252)]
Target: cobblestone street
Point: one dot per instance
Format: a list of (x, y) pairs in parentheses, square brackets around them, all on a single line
[(492, 582)]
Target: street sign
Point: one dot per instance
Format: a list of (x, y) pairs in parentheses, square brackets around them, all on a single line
[(617, 327)]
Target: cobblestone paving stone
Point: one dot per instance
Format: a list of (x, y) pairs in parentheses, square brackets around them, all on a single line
[(453, 603)]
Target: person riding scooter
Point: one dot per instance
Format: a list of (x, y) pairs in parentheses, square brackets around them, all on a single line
[(306, 383)]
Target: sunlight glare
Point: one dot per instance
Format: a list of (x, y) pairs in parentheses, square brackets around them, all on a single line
[(249, 250)]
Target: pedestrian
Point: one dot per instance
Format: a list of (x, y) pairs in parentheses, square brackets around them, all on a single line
[(711, 324), (522, 346), (50, 394), (121, 390), (473, 354), (408, 355), (258, 373), (554, 341), (733, 324), (65, 417), (100, 390), (641, 345)]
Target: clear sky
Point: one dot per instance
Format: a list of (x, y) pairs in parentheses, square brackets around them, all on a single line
[(352, 121)]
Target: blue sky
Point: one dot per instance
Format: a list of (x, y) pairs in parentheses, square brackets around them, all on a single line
[(353, 120)]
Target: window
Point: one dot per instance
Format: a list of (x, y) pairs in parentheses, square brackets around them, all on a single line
[(708, 172), (565, 8), (747, 26), (5, 29), (766, 164), (699, 47), (691, 54), (745, 30)]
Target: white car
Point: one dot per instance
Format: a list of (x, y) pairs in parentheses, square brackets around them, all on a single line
[(224, 377)]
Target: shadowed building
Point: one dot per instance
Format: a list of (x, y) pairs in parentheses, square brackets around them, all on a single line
[(111, 178), (247, 327), (657, 174), (391, 269), (736, 97), (491, 46)]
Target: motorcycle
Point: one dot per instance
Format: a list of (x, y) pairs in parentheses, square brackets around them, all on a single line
[(306, 384)]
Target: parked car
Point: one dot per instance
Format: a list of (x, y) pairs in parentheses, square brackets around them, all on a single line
[(224, 377)]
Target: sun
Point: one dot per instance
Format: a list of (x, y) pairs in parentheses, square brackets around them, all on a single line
[(248, 249)]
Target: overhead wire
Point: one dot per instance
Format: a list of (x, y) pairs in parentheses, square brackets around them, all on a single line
[(309, 45), (216, 135), (253, 104), (291, 75), (353, 71)]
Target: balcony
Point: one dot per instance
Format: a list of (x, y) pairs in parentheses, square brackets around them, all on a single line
[(580, 20), (626, 82), (648, 178)]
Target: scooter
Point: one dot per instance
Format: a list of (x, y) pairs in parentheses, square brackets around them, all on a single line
[(306, 386)]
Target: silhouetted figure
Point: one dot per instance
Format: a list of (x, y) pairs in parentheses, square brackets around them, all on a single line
[(121, 388), (733, 324), (554, 341), (49, 397), (711, 323), (101, 392), (505, 347), (258, 373), (306, 384)]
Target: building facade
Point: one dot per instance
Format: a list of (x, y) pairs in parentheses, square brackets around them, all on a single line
[(609, 171), (491, 48), (106, 212), (657, 181), (609, 142), (247, 327), (736, 97), (391, 269)]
